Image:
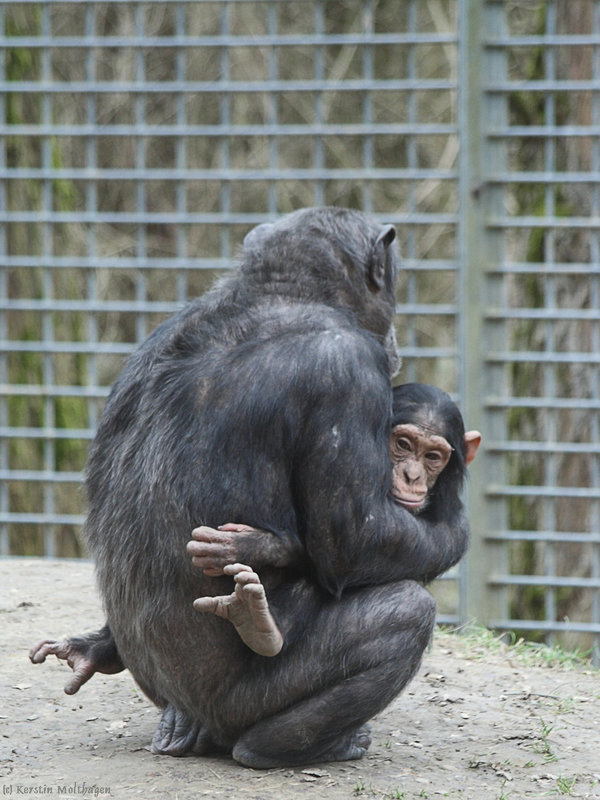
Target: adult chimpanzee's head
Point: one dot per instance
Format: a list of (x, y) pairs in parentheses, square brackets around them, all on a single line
[(429, 449), (342, 258)]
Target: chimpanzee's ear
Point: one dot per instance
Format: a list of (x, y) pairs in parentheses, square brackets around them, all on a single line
[(472, 442), (257, 235), (378, 263)]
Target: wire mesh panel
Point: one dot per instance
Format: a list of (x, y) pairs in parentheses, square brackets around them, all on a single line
[(542, 194), (139, 143)]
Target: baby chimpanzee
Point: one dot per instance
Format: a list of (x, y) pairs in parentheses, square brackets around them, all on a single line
[(429, 450), (428, 443)]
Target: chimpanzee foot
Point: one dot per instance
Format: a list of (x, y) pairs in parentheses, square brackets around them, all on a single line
[(247, 609), (86, 655), (178, 735), (349, 747)]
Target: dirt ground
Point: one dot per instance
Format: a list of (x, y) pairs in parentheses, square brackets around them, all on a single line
[(477, 722)]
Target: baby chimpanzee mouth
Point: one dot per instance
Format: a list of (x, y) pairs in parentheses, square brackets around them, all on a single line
[(412, 503)]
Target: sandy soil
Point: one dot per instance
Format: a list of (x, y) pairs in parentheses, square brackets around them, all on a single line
[(476, 723)]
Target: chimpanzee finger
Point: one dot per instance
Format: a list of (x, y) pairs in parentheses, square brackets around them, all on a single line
[(205, 534), (81, 674), (206, 604), (236, 527), (48, 647), (246, 577), (233, 569)]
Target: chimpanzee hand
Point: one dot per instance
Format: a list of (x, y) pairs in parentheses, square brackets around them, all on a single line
[(212, 549), (86, 655)]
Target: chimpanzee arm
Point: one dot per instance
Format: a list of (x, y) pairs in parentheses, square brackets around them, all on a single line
[(368, 539), (355, 533), (212, 549)]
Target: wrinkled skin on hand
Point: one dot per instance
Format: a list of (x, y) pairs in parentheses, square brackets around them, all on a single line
[(212, 549)]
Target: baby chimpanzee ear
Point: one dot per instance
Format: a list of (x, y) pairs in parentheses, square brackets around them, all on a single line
[(379, 262), (472, 442)]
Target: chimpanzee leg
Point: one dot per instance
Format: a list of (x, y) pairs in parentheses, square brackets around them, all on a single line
[(359, 654), (86, 655)]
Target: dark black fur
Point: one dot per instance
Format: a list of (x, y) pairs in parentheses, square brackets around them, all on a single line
[(268, 401), (432, 409)]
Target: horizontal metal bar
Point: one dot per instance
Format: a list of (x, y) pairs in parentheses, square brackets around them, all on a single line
[(544, 269), (37, 476), (49, 390), (549, 314), (591, 223), (567, 403), (562, 85), (220, 41), (226, 87), (545, 178), (524, 357), (136, 307), (541, 131), (92, 174), (549, 492), (221, 218), (550, 537), (49, 261), (544, 580), (549, 448), (229, 129), (93, 306), (42, 519), (546, 625), (184, 218), (45, 433), (150, 3), (543, 40), (85, 348)]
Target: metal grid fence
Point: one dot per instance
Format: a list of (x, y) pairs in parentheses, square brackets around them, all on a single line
[(139, 141), (538, 202)]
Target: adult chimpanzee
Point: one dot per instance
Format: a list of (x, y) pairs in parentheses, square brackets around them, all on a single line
[(427, 438), (429, 451), (267, 400)]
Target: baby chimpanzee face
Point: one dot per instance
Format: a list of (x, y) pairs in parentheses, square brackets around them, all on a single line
[(418, 458)]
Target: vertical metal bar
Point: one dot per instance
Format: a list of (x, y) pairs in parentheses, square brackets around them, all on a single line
[(91, 204), (319, 71), (225, 121), (550, 381), (478, 247), (412, 298), (367, 143), (595, 338), (4, 377), (181, 232), (48, 291), (141, 282), (273, 107)]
